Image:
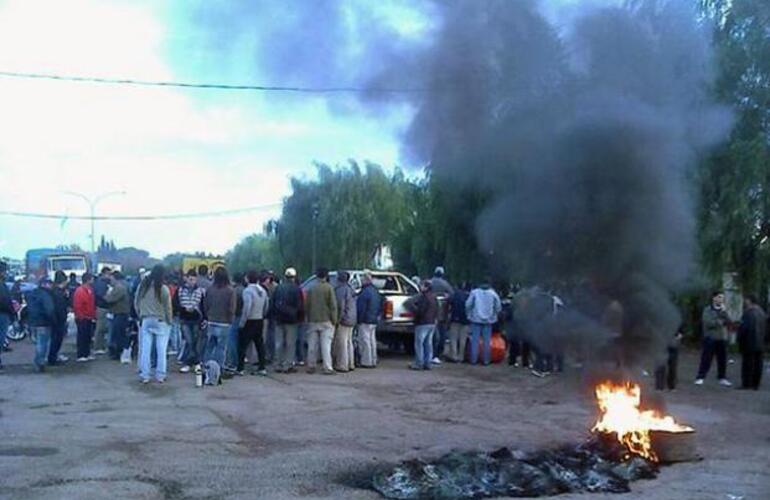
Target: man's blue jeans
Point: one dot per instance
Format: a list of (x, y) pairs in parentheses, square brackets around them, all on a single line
[(423, 346), (485, 331), (5, 323), (231, 353), (215, 345), (41, 346), (154, 332), (190, 333)]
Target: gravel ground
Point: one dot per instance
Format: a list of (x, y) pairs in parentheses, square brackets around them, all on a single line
[(90, 431)]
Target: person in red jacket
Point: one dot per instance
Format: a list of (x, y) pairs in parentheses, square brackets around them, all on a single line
[(84, 307)]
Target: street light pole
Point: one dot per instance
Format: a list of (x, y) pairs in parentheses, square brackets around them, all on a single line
[(92, 202), (315, 220)]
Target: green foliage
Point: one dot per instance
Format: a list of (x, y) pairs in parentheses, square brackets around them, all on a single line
[(734, 215), (255, 252)]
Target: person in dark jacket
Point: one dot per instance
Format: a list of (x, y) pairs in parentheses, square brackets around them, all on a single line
[(59, 328), (287, 311), (6, 307), (424, 306), (72, 285), (443, 291), (459, 325), (666, 372), (751, 340), (101, 286), (369, 309), (231, 352), (715, 322), (342, 348), (41, 317)]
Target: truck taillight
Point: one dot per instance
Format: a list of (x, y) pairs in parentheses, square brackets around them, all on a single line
[(387, 309)]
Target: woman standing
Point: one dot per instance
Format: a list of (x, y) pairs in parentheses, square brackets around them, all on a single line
[(153, 306), (220, 304)]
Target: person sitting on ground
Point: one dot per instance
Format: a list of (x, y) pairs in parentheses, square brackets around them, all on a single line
[(483, 307)]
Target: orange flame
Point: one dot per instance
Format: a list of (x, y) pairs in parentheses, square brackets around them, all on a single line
[(620, 414)]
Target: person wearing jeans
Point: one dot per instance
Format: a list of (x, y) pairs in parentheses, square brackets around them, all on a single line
[(41, 317), (715, 321), (483, 308), (153, 307), (424, 306), (220, 303), (188, 304), (59, 327), (119, 300)]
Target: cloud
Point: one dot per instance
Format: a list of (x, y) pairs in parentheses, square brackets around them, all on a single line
[(171, 150)]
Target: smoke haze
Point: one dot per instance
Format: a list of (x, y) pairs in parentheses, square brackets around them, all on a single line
[(581, 136)]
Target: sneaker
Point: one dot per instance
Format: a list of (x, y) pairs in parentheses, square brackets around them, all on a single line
[(240, 373), (91, 357), (415, 367), (99, 352), (262, 373), (172, 352), (698, 381), (310, 371), (62, 358), (538, 373), (145, 381), (725, 383), (82, 360), (329, 372), (436, 361), (125, 357), (161, 380), (301, 363), (184, 369)]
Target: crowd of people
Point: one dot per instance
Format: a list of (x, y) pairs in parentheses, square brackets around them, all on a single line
[(211, 320)]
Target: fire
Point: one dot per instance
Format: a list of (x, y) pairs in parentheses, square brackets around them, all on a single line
[(620, 414)]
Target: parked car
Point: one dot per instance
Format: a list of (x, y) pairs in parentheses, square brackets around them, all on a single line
[(396, 324)]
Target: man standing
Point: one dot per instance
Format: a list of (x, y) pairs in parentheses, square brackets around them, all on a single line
[(287, 313), (101, 286), (59, 327), (72, 285), (84, 307), (321, 316), (251, 322), (231, 352), (119, 301), (483, 306), (715, 321), (443, 292), (41, 318), (189, 303), (751, 340), (425, 309), (203, 277), (343, 354), (459, 324), (369, 305), (6, 307)]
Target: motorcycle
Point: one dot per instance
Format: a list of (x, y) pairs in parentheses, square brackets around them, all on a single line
[(18, 329)]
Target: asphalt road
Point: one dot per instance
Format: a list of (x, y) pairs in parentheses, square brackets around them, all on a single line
[(88, 431)]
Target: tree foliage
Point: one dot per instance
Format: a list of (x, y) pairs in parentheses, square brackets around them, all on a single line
[(734, 215), (257, 252)]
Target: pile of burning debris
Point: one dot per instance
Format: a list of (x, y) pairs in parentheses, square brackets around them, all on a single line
[(627, 444)]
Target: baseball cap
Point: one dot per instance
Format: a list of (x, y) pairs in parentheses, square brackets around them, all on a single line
[(290, 272)]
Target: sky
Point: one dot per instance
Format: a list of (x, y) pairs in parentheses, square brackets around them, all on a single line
[(171, 150)]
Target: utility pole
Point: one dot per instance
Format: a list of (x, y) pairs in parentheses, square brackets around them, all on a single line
[(315, 231), (92, 202)]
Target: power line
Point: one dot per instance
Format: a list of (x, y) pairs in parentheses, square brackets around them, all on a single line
[(215, 86), (196, 215)]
